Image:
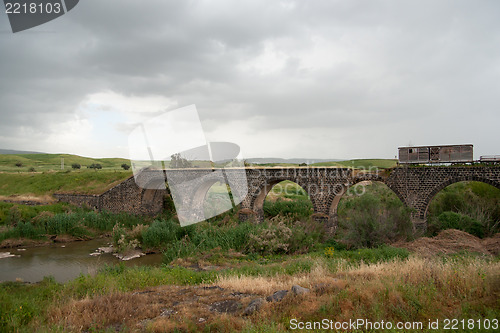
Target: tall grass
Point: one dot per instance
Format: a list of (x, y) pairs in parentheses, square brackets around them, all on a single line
[(11, 213), (78, 224)]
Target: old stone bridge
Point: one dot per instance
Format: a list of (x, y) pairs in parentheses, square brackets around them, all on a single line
[(415, 187)]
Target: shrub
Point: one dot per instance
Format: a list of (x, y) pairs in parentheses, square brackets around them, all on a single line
[(14, 215), (125, 166), (42, 218), (76, 166), (477, 205), (95, 166), (452, 220), (271, 239), (373, 221), (161, 233)]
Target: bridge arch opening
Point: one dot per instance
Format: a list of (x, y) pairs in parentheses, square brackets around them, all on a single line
[(217, 198), (470, 206), (283, 197), (370, 214)]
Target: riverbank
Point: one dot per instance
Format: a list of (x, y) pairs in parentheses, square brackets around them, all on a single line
[(163, 299)]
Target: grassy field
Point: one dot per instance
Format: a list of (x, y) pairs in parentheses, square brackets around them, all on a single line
[(70, 181), (361, 164), (52, 162)]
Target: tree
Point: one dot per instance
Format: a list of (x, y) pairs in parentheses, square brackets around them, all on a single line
[(76, 166), (177, 161), (95, 166), (125, 166)]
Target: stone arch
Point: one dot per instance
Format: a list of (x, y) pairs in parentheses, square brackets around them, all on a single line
[(200, 194), (152, 200), (428, 198), (334, 199), (258, 196)]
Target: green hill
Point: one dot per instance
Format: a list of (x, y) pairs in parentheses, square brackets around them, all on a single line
[(361, 163), (48, 162)]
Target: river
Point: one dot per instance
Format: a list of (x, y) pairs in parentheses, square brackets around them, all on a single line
[(63, 261)]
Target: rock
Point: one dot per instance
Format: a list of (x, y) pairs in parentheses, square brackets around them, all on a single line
[(95, 254), (227, 306), (298, 290), (202, 320), (143, 324), (253, 306), (167, 312), (277, 296), (143, 292), (105, 249), (129, 255), (6, 255), (212, 287)]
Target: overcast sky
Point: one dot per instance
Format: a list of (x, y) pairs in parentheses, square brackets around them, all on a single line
[(310, 79)]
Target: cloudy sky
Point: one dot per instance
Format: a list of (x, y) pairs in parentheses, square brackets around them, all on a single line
[(310, 79)]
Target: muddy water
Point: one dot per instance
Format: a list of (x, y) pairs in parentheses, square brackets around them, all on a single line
[(62, 261)]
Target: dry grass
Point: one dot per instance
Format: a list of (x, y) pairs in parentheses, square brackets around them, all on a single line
[(160, 309), (415, 289), (319, 275), (41, 199), (452, 241)]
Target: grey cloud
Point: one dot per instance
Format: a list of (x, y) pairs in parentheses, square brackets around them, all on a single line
[(414, 64)]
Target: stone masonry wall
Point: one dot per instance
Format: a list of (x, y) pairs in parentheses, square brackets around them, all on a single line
[(415, 186)]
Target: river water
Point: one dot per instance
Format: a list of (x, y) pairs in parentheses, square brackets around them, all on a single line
[(62, 261)]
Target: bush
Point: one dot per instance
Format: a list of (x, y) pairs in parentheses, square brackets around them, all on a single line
[(95, 166), (76, 166), (476, 206), (161, 233), (125, 166), (373, 220), (271, 239), (452, 220)]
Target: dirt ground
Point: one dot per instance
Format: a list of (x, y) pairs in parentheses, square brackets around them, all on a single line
[(452, 241)]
